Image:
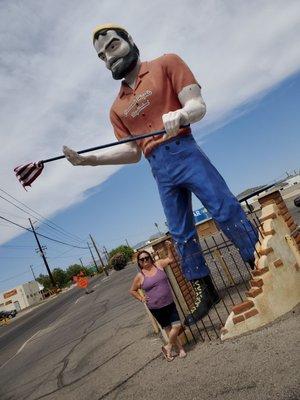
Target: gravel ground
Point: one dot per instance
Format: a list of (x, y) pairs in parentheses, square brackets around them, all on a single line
[(258, 366)]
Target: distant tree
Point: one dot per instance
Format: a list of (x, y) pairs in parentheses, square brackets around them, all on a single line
[(74, 269), (126, 250), (118, 261), (60, 277), (45, 281), (91, 271)]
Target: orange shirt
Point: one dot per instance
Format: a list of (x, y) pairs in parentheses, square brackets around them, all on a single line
[(139, 111)]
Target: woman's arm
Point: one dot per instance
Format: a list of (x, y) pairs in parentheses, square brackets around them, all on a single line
[(134, 290), (163, 263)]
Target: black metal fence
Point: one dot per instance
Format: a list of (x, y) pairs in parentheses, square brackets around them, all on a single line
[(231, 276)]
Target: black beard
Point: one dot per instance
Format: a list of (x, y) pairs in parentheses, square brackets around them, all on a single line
[(128, 63)]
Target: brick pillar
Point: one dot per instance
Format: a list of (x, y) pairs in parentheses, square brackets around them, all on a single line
[(275, 283), (276, 198), (184, 286)]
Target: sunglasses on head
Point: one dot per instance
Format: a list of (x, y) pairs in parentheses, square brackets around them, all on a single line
[(142, 259)]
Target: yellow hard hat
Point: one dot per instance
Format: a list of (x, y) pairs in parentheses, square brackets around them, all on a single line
[(107, 26)]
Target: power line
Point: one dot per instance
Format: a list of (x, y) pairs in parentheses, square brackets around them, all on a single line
[(16, 247), (44, 236), (15, 276), (77, 238), (32, 257), (62, 255), (12, 215), (72, 255), (34, 216), (64, 252), (12, 257)]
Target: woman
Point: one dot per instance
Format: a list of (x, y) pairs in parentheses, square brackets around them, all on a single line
[(158, 297)]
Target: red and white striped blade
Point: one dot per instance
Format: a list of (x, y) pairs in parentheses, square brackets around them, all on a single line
[(28, 173)]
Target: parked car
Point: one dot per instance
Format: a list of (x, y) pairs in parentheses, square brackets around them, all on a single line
[(8, 314), (297, 201)]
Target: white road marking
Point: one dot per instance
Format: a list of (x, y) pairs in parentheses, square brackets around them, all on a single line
[(20, 349), (81, 297), (107, 278), (98, 284)]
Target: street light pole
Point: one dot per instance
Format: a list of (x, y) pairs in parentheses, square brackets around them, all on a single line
[(156, 224), (32, 272)]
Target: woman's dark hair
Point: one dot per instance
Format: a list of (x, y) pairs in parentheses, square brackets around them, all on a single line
[(120, 32), (143, 252)]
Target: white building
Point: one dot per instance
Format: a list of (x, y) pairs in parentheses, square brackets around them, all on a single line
[(21, 296), (293, 181)]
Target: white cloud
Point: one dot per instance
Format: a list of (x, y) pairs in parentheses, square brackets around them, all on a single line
[(54, 91)]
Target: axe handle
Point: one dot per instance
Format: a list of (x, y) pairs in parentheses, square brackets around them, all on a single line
[(104, 146)]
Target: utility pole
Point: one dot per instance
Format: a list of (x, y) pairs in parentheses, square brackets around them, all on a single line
[(127, 242), (93, 257), (81, 262), (106, 253), (97, 251), (32, 272), (42, 254)]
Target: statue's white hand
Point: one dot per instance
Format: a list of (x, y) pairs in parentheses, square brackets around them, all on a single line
[(72, 156), (172, 122)]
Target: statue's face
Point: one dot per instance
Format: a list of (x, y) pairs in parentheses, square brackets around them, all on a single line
[(118, 55)]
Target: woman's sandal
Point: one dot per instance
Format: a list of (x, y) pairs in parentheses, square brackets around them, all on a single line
[(167, 356)]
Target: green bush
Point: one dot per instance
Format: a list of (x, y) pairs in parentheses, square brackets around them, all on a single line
[(126, 250), (118, 261)]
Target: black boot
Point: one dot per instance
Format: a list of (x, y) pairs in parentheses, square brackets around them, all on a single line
[(214, 295), (252, 263), (202, 302)]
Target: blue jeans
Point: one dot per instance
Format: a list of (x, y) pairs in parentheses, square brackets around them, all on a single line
[(181, 168)]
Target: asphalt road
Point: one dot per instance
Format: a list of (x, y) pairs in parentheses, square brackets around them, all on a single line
[(24, 326), (37, 350)]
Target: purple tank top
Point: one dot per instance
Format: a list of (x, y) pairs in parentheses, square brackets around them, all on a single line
[(157, 289)]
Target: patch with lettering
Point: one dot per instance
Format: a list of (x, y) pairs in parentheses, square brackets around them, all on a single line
[(140, 103)]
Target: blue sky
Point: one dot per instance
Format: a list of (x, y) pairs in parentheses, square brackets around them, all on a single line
[(55, 92)]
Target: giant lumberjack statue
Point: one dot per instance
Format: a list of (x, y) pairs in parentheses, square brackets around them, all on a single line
[(164, 94)]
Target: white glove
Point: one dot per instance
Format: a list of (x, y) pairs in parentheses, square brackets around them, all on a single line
[(172, 122), (73, 157)]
